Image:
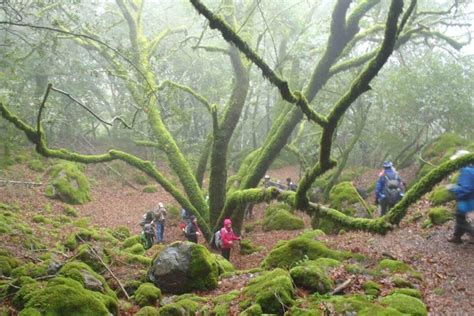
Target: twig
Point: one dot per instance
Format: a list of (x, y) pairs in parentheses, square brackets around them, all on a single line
[(341, 287), (107, 267), (426, 161), (20, 182)]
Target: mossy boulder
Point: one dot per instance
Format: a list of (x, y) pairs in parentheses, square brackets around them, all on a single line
[(148, 311), (287, 253), (223, 265), (147, 294), (36, 165), (345, 198), (183, 267), (394, 266), (223, 302), (440, 195), (65, 296), (7, 263), (371, 288), (439, 215), (282, 220), (121, 232), (130, 241), (247, 248), (70, 211), (275, 207), (406, 304), (343, 304), (68, 184), (92, 257), (253, 310), (407, 291), (311, 276), (136, 249), (181, 307), (273, 291)]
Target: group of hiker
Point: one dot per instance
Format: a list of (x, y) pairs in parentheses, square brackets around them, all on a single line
[(389, 190), (153, 227)]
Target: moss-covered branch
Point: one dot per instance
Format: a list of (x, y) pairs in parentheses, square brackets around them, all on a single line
[(425, 185), (187, 89), (38, 138)]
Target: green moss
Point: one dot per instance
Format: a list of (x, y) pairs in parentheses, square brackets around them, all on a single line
[(36, 165), (312, 234), (38, 218), (147, 295), (182, 307), (136, 249), (131, 259), (405, 304), (31, 270), (30, 311), (253, 310), (28, 287), (247, 248), (440, 195), (401, 282), (287, 253), (298, 311), (407, 291), (130, 241), (272, 208), (121, 233), (223, 265), (150, 188), (68, 183), (311, 277), (341, 305), (7, 263), (148, 311), (342, 195), (379, 311), (86, 255), (439, 215), (272, 290), (83, 222), (222, 303), (63, 296), (394, 266), (282, 220), (80, 271), (70, 211), (371, 288), (203, 269)]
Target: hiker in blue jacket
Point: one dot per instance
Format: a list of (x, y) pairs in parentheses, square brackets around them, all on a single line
[(464, 192), (389, 188)]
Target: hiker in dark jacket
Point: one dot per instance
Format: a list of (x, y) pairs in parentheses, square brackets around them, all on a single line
[(464, 192), (192, 230), (389, 188)]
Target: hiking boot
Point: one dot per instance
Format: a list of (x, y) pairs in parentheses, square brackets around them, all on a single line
[(455, 240)]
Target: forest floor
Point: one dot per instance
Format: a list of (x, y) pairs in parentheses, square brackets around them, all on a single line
[(447, 269)]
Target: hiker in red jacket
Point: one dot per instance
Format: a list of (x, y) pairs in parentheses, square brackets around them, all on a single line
[(227, 238)]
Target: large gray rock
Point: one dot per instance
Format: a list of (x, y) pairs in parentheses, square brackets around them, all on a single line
[(184, 267)]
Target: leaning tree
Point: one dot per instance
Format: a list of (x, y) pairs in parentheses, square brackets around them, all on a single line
[(354, 28)]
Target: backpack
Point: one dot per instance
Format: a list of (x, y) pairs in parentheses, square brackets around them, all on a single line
[(218, 239), (392, 190)]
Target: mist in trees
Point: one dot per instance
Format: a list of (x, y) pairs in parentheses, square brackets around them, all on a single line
[(218, 91)]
